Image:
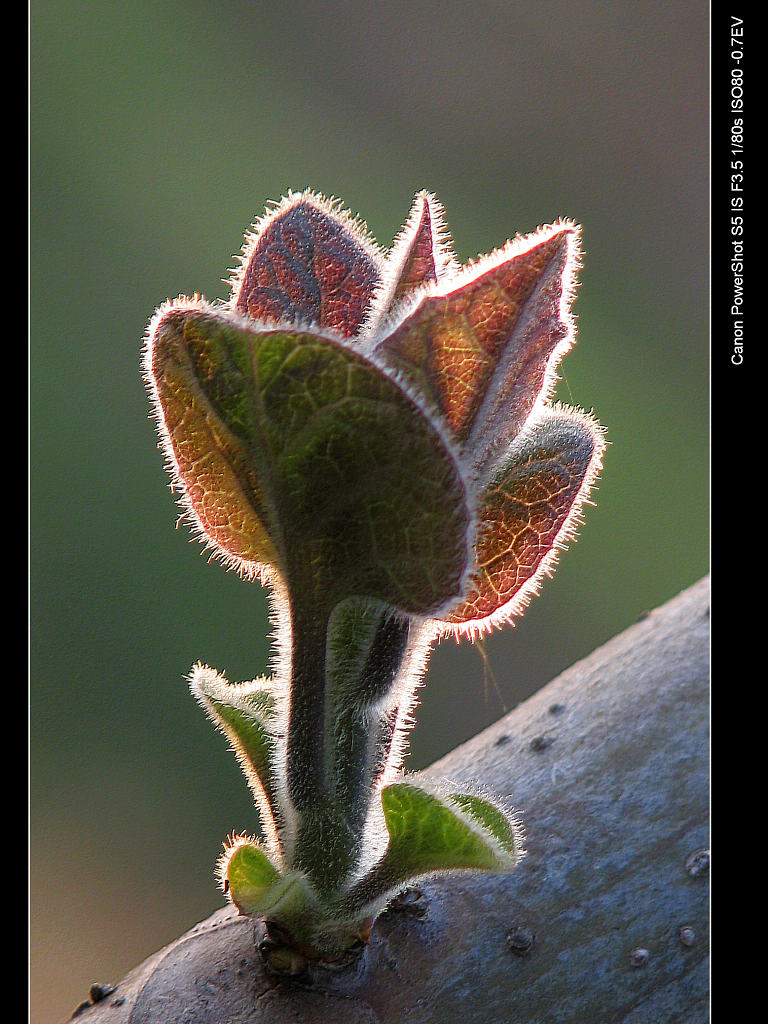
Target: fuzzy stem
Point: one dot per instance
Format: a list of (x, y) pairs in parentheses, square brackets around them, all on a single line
[(306, 716), (323, 840), (369, 890), (333, 726), (616, 809), (354, 718)]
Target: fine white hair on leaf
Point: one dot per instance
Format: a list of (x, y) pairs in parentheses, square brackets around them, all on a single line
[(231, 844), (459, 276), (475, 628), (329, 206), (184, 304), (208, 687), (252, 570), (444, 262), (475, 450), (478, 441)]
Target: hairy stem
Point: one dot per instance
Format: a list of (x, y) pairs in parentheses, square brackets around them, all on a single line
[(307, 784), (354, 715), (340, 672)]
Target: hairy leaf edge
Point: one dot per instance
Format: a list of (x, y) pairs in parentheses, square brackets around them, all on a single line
[(266, 574), (443, 257), (331, 207), (476, 628)]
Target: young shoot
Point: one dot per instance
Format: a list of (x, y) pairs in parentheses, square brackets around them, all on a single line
[(371, 436)]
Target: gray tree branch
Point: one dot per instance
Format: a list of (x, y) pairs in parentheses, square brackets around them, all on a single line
[(605, 921)]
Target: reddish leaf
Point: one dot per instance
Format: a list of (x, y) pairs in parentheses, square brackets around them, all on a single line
[(418, 261), (483, 345), (421, 255), (209, 464), (529, 512), (308, 261)]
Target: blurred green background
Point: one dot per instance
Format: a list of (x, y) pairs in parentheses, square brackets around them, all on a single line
[(158, 131)]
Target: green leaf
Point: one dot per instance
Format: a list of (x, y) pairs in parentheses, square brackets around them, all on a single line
[(426, 834), (504, 829), (242, 711), (342, 481), (250, 875), (258, 889), (429, 832), (366, 644)]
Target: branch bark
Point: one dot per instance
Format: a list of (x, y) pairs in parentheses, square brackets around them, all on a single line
[(605, 921)]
